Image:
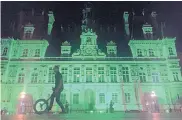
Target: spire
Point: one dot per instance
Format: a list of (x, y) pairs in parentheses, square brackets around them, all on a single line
[(87, 21)]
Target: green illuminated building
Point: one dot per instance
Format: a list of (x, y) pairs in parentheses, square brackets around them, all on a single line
[(148, 80)]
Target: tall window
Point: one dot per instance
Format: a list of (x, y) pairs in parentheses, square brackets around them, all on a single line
[(127, 97), (139, 52), (21, 78), (64, 71), (34, 78), (115, 97), (101, 98), (155, 77), (151, 52), (101, 74), (25, 52), (37, 53), (51, 75), (63, 98), (175, 76), (76, 98), (89, 74), (125, 71), (170, 51), (113, 74), (76, 76), (142, 77), (5, 51)]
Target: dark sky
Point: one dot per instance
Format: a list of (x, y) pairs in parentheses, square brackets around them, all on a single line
[(170, 12)]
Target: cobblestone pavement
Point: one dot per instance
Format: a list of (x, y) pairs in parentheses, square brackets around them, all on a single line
[(97, 116)]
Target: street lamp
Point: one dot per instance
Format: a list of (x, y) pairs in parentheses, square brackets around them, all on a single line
[(22, 95), (153, 94)]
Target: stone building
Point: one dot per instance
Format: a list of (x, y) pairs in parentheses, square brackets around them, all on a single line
[(147, 80)]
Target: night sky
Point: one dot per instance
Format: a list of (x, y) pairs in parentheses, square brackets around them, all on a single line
[(67, 12)]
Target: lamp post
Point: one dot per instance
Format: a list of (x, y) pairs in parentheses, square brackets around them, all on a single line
[(153, 95)]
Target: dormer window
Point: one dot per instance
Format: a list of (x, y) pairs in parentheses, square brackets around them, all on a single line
[(151, 52), (147, 31), (25, 52), (28, 35), (37, 53), (170, 51), (28, 31), (139, 52), (5, 51)]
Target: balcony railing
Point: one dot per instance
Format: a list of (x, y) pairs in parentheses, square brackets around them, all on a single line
[(90, 59)]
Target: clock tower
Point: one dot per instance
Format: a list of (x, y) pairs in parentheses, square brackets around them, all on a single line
[(88, 47)]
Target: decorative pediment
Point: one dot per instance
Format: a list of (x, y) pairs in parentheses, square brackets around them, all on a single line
[(66, 43), (111, 43)]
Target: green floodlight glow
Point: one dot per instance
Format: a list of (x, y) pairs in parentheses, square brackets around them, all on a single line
[(92, 79)]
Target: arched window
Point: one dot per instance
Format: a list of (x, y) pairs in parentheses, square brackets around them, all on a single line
[(155, 77), (139, 52), (170, 51), (25, 52), (21, 78), (37, 53), (51, 75), (142, 77), (5, 51), (34, 78), (28, 34)]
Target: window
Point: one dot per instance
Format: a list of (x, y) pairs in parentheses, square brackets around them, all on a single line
[(89, 74), (34, 78), (76, 98), (5, 51), (28, 35), (63, 98), (151, 52), (64, 71), (25, 52), (113, 74), (175, 76), (37, 53), (101, 74), (125, 71), (127, 97), (76, 76), (51, 75), (101, 98), (115, 97), (170, 51), (142, 77), (139, 52), (21, 78), (155, 77)]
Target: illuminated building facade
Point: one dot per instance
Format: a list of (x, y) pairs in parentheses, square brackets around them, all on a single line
[(148, 80)]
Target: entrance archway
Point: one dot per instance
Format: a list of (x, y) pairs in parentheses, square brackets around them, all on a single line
[(25, 104), (150, 102), (89, 99)]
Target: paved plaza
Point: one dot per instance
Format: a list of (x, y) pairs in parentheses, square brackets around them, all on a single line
[(98, 116)]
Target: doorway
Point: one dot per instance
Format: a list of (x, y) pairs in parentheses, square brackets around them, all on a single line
[(89, 100)]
